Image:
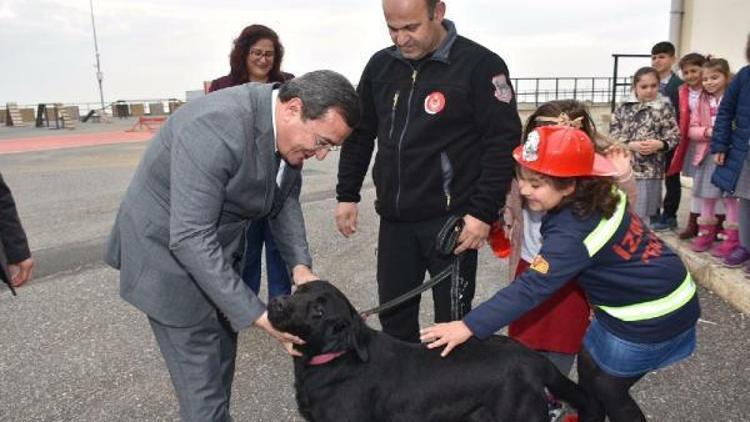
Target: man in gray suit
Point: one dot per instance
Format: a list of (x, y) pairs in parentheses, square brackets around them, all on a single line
[(177, 239)]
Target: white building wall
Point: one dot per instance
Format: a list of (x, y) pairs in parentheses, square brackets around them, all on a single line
[(717, 27)]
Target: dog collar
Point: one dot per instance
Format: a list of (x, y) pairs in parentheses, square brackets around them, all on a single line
[(324, 358)]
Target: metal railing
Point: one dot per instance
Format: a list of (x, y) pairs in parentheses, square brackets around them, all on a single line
[(615, 74), (529, 91), (119, 108), (596, 90)]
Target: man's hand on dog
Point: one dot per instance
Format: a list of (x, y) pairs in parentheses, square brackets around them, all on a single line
[(473, 236), (448, 334), (287, 340), (302, 274)]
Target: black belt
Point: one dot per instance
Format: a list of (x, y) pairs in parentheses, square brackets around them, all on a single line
[(445, 244)]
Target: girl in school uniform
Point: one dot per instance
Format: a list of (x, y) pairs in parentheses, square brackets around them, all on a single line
[(644, 301)]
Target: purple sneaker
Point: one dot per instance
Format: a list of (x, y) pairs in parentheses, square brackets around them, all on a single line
[(737, 258)]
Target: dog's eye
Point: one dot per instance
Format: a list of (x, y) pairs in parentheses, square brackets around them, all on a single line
[(317, 311)]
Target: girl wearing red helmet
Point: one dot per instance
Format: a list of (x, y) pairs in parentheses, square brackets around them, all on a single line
[(644, 301), (556, 327)]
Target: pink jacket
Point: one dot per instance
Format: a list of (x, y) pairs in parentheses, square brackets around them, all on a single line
[(700, 123)]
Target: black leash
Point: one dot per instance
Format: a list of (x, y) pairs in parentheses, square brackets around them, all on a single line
[(445, 244)]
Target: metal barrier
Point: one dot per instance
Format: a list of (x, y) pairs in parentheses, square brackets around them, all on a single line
[(151, 124), (615, 70), (151, 107), (596, 90), (592, 89)]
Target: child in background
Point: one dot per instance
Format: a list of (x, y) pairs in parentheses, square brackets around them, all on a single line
[(691, 66), (556, 327), (646, 124), (663, 59), (715, 81), (731, 135), (644, 300)]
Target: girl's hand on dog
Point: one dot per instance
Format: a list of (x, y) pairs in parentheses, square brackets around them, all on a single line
[(448, 334), (287, 340)]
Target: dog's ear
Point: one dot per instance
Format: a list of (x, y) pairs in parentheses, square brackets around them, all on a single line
[(360, 338), (357, 330), (360, 334)]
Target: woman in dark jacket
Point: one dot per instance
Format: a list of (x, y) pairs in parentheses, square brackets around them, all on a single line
[(256, 57), (730, 144), (15, 256)]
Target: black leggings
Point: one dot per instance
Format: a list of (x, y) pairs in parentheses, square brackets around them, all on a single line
[(611, 391)]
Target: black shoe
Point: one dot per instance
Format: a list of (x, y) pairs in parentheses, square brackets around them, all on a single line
[(664, 224)]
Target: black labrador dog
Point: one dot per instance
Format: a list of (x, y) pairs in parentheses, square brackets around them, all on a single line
[(350, 372)]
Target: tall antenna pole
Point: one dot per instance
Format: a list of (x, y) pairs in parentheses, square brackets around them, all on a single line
[(99, 74)]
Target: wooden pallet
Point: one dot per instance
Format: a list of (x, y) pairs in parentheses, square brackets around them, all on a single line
[(67, 121), (13, 115)]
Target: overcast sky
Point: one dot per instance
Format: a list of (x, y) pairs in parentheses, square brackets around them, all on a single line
[(160, 49)]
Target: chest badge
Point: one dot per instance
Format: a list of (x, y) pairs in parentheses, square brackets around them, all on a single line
[(434, 103)]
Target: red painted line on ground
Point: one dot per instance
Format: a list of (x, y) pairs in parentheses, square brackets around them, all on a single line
[(44, 143)]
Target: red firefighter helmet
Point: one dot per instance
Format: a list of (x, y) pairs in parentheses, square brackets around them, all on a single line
[(562, 151)]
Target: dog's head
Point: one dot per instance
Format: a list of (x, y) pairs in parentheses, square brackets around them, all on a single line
[(323, 317)]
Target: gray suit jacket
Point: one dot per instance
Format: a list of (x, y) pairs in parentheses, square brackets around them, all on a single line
[(178, 238)]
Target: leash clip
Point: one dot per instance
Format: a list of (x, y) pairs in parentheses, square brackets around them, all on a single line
[(447, 238)]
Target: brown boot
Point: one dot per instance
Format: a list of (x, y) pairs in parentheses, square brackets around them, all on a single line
[(691, 229)]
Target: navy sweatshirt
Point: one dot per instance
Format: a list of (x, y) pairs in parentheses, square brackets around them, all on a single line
[(634, 266)]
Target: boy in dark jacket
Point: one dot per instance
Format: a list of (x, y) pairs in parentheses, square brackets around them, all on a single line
[(663, 59)]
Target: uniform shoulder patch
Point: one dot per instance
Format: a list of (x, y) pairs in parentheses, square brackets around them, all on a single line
[(540, 265), (503, 92)]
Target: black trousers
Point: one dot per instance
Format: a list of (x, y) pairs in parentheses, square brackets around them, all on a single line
[(612, 394), (673, 190), (405, 252)]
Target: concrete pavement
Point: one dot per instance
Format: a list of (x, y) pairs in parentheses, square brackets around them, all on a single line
[(71, 350), (730, 284)]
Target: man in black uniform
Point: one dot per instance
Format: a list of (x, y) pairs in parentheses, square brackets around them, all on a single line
[(444, 113)]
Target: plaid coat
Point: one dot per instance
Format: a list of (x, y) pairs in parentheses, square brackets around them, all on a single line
[(637, 121)]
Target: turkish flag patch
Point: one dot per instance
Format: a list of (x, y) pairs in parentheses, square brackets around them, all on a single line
[(434, 103)]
